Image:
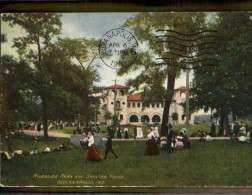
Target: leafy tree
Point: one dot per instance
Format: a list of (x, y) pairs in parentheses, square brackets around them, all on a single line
[(40, 28), (84, 52), (115, 121), (153, 77), (174, 116), (107, 115), (227, 87), (15, 76)]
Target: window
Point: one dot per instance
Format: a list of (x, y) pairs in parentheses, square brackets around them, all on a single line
[(133, 118), (157, 105), (148, 105), (117, 104), (182, 94), (145, 119), (121, 117), (138, 104), (134, 105), (114, 92), (128, 105), (112, 103), (156, 119), (121, 92), (123, 103), (153, 105), (183, 116)]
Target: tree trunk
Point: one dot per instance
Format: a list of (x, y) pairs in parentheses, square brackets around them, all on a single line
[(234, 116), (170, 88), (44, 103), (221, 128), (226, 125)]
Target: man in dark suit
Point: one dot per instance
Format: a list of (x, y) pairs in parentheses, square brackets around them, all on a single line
[(109, 147), (169, 138)]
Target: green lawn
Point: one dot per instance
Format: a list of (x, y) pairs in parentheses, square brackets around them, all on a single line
[(193, 128), (220, 163)]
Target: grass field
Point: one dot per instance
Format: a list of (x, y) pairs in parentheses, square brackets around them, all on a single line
[(193, 128), (219, 163)]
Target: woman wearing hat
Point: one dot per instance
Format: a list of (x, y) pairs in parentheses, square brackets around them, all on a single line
[(92, 154), (152, 148)]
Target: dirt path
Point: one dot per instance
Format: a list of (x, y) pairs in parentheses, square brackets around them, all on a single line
[(62, 135), (50, 134)]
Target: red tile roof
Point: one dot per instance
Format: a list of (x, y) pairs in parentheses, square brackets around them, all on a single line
[(117, 87), (181, 89), (135, 97)]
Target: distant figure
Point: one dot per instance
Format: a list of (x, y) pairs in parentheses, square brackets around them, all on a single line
[(182, 132), (35, 139), (236, 129), (119, 134), (46, 150), (208, 138), (109, 147), (92, 154), (247, 128), (140, 133), (169, 138), (151, 148), (32, 125), (179, 145), (213, 130), (135, 132), (242, 139), (18, 152), (126, 133), (62, 147), (20, 127), (38, 127), (34, 151)]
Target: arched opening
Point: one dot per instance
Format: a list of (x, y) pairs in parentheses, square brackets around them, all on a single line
[(138, 104), (121, 92), (117, 104), (156, 119), (145, 119), (133, 118), (114, 92), (182, 94), (121, 117), (128, 104)]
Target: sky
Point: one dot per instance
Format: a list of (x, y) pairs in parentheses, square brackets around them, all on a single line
[(88, 25)]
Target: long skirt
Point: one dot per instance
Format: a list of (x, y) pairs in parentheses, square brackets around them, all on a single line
[(93, 154), (152, 148)]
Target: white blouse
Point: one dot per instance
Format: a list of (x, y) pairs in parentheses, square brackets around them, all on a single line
[(150, 135), (90, 141)]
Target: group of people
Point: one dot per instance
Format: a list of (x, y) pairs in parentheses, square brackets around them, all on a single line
[(118, 132), (172, 143)]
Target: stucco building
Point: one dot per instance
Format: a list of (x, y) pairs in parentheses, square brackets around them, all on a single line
[(130, 107)]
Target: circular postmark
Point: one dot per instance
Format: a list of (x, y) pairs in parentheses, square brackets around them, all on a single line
[(118, 47)]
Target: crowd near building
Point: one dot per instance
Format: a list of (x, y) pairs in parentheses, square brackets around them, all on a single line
[(131, 109)]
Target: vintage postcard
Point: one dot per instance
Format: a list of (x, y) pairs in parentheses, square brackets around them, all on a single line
[(126, 102)]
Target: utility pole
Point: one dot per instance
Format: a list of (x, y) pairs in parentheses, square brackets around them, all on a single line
[(187, 101), (115, 98)]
